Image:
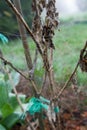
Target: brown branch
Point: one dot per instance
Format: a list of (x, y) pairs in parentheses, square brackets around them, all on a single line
[(83, 50), (31, 72), (51, 77), (14, 89), (25, 24), (11, 65), (23, 35), (51, 123), (70, 78), (44, 82)]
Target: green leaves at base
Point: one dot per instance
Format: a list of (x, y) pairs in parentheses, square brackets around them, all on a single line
[(2, 127), (9, 121), (6, 110)]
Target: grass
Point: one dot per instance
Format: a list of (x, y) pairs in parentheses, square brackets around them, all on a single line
[(68, 43)]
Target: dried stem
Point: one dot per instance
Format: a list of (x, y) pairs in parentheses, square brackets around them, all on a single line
[(44, 82), (25, 24), (73, 73), (51, 123), (14, 89), (70, 78), (31, 72), (23, 35), (51, 78), (11, 65)]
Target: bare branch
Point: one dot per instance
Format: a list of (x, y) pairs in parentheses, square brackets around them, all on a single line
[(44, 82), (31, 72), (73, 73), (25, 24), (23, 35), (11, 65)]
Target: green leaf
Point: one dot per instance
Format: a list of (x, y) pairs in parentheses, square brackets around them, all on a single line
[(2, 127), (11, 120), (0, 115), (6, 77), (3, 94), (6, 110)]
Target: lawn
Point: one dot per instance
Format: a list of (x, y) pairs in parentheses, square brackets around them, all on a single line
[(68, 43)]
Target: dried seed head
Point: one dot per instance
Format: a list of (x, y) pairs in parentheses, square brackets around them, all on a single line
[(83, 61)]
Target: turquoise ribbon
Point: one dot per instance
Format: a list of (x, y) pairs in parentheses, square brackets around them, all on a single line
[(36, 105), (44, 100), (3, 38), (56, 109)]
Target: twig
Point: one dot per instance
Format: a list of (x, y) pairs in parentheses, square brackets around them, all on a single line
[(23, 35), (51, 123), (14, 89), (25, 24), (51, 77), (70, 78), (11, 65), (83, 50), (44, 81), (66, 84), (31, 72), (18, 99)]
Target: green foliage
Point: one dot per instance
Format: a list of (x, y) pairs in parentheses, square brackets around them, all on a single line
[(6, 110), (2, 127), (9, 121), (9, 112)]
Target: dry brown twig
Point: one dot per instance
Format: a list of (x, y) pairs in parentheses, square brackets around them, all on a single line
[(11, 65), (73, 73)]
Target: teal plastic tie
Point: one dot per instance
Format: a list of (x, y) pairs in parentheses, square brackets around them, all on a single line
[(44, 100), (36, 106), (3, 38), (56, 109), (22, 117)]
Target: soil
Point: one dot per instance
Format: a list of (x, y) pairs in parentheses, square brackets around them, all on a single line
[(73, 108)]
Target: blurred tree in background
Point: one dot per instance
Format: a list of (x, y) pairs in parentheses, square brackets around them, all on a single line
[(82, 4), (8, 22)]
